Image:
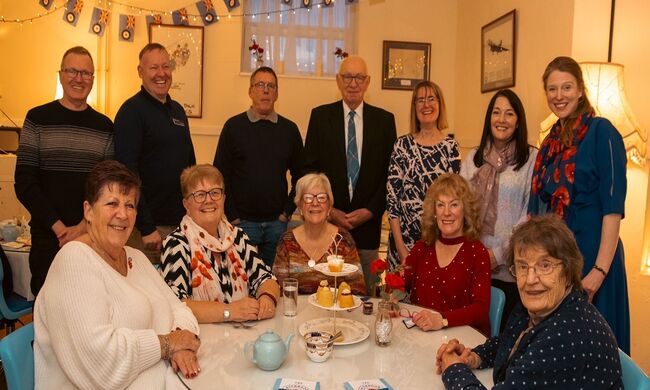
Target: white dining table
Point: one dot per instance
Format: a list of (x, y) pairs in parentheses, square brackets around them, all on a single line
[(407, 363), (21, 275)]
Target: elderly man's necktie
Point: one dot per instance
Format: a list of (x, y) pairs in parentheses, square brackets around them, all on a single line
[(352, 154)]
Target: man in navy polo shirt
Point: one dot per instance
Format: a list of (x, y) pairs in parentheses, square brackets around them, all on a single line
[(152, 138)]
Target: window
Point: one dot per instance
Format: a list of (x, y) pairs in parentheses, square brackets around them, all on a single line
[(296, 40)]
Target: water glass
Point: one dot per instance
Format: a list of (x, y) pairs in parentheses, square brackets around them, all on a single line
[(290, 296)]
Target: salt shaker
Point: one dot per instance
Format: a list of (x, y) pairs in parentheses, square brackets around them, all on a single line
[(383, 324)]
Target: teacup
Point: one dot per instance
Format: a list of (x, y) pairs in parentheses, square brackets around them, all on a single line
[(335, 263), (318, 345)]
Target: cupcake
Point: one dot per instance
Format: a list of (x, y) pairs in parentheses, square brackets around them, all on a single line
[(324, 295), (346, 299)]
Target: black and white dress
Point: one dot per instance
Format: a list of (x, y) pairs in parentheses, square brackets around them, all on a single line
[(413, 167)]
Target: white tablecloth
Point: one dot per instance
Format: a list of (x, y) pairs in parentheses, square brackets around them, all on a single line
[(408, 363), (22, 276)]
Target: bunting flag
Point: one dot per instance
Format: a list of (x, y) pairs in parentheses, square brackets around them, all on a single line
[(154, 19), (207, 11), (231, 4), (72, 11), (306, 3), (46, 4), (179, 17), (327, 3), (127, 27), (99, 21)]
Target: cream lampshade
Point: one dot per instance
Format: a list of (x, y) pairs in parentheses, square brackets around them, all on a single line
[(605, 87)]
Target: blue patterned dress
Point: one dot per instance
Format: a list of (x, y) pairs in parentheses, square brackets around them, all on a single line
[(413, 167)]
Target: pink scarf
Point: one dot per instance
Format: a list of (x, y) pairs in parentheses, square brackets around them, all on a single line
[(205, 280), (486, 182)]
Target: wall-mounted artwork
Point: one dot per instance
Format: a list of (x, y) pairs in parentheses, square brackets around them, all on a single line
[(404, 64), (185, 47), (498, 53)]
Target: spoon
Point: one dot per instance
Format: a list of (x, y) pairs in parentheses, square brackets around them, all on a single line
[(337, 335)]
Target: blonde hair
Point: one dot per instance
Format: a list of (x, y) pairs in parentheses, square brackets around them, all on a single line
[(192, 176), (441, 122), (311, 180), (454, 185)]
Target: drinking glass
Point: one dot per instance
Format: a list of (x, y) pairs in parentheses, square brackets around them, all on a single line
[(290, 296)]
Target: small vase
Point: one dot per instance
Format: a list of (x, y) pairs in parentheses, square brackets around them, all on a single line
[(383, 324), (259, 63)]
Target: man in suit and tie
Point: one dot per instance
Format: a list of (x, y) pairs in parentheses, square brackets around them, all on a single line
[(351, 142)]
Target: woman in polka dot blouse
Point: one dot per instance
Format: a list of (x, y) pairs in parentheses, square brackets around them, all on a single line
[(557, 339), (449, 269)]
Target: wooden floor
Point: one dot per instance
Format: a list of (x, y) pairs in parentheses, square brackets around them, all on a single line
[(3, 332)]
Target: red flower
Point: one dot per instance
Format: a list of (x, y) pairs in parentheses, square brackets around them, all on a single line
[(378, 266), (395, 282), (338, 51), (260, 50), (569, 172)]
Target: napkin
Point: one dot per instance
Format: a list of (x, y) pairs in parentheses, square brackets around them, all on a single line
[(368, 384), (295, 384)]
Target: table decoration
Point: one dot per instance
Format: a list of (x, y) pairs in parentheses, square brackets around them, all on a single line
[(367, 384), (295, 384), (383, 324), (390, 285)]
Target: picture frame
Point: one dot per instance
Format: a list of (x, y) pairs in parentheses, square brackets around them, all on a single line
[(498, 53), (185, 47), (404, 64)]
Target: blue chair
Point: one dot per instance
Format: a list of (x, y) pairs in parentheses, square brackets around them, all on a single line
[(497, 302), (12, 308), (633, 375), (17, 354)]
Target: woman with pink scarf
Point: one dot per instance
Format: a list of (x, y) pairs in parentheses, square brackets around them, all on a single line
[(209, 263)]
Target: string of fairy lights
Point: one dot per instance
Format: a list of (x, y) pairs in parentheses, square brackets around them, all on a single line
[(104, 4)]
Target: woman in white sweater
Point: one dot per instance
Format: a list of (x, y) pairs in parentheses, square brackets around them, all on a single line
[(500, 169), (104, 317)]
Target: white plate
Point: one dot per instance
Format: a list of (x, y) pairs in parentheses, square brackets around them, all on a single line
[(353, 331), (347, 269), (335, 307)]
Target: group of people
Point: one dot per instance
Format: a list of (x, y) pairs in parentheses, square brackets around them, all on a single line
[(219, 231)]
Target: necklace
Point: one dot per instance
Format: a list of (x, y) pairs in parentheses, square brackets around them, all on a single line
[(117, 263), (451, 241)]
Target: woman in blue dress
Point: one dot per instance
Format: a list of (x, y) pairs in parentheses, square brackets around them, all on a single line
[(418, 159), (580, 174)]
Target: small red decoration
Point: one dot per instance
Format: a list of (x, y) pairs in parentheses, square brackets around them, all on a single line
[(257, 51), (340, 53)]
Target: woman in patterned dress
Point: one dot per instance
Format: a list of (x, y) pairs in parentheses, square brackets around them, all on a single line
[(210, 264), (315, 239), (418, 159)]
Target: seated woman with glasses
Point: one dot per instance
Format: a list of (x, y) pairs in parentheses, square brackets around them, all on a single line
[(449, 269), (210, 264), (315, 239), (557, 339)]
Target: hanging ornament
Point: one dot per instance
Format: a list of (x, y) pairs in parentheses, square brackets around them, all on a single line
[(207, 11)]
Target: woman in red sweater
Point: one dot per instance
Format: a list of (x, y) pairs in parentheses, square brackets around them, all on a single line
[(448, 270)]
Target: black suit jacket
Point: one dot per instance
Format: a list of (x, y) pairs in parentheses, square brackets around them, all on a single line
[(325, 151)]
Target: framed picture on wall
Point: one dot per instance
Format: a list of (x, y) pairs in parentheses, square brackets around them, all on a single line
[(498, 53), (185, 47), (404, 64)]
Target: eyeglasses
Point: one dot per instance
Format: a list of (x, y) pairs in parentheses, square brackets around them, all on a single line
[(520, 270), (347, 78), (429, 99), (261, 86), (200, 196), (320, 198), (72, 73)]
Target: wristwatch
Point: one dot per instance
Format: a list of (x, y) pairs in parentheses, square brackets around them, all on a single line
[(226, 315), (445, 323)]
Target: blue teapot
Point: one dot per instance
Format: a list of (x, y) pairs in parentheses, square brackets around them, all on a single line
[(269, 351)]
